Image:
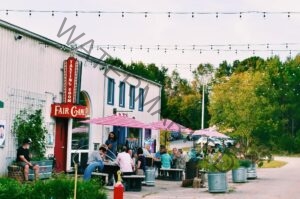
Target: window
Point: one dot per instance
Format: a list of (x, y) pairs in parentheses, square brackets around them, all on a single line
[(131, 96), (141, 99), (122, 94), (110, 91)]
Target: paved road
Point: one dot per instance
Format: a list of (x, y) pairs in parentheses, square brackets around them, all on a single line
[(276, 183)]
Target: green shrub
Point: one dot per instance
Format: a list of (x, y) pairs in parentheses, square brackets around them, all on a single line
[(10, 188), (61, 187)]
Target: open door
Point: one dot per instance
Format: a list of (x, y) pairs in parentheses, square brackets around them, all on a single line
[(60, 149)]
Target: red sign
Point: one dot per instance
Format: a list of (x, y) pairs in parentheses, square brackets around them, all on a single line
[(69, 111), (70, 80)]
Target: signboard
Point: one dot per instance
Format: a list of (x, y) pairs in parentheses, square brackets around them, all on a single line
[(71, 69), (68, 110)]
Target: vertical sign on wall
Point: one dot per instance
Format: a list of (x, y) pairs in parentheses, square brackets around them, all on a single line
[(70, 80), (2, 132)]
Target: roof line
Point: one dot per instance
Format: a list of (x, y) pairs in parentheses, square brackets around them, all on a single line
[(64, 47)]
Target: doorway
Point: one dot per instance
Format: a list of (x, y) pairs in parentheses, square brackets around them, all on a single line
[(60, 149)]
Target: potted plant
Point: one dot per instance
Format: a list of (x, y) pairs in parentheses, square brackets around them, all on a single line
[(29, 123), (239, 172), (217, 165)]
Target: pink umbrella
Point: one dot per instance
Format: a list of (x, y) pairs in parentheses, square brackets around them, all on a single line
[(118, 120), (210, 132), (167, 125), (80, 129)]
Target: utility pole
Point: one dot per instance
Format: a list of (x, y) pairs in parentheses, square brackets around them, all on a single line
[(203, 101)]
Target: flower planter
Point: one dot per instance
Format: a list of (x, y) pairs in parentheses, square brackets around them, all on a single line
[(239, 175), (251, 172), (45, 169), (217, 182)]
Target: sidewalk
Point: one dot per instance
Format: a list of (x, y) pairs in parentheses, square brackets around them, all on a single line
[(169, 189)]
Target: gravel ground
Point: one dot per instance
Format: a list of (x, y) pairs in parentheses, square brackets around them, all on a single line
[(275, 183)]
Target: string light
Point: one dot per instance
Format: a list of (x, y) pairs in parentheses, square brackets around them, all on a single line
[(218, 48), (146, 13)]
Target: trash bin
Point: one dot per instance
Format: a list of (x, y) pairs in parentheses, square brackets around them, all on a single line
[(191, 169), (150, 176)]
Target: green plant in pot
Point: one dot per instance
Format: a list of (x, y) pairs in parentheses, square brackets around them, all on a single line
[(217, 165), (29, 124), (239, 172)]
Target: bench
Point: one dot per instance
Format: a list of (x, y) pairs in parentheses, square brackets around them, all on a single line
[(103, 176), (133, 182), (171, 174)]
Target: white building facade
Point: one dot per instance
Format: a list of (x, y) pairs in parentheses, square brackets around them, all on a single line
[(32, 76)]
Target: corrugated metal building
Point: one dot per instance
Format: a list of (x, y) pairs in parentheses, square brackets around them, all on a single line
[(31, 76)]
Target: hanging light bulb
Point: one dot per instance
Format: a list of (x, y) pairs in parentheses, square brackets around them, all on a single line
[(141, 47), (122, 14), (286, 45), (240, 15), (146, 14), (229, 46), (52, 13), (29, 12), (175, 47), (264, 15), (193, 47), (147, 49), (124, 46), (99, 14), (182, 51), (169, 14), (200, 51), (217, 15), (192, 14), (157, 47), (6, 12), (165, 50), (76, 14), (289, 15)]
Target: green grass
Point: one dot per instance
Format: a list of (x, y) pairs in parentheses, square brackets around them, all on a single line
[(273, 164)]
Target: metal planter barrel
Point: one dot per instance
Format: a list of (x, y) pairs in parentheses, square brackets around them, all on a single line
[(239, 174), (217, 182), (251, 171), (150, 176)]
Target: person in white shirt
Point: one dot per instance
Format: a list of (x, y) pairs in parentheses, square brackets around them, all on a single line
[(125, 161)]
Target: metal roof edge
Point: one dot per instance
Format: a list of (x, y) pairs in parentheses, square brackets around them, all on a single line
[(64, 47)]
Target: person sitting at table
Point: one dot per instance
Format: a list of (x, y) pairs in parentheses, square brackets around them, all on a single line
[(166, 159), (95, 161), (174, 157), (147, 151), (141, 162), (180, 160), (125, 162)]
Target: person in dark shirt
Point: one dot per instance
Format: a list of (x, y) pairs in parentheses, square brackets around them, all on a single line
[(141, 162), (23, 159)]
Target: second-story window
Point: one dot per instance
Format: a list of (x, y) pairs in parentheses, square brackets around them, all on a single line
[(141, 99), (122, 94), (110, 91), (131, 96)]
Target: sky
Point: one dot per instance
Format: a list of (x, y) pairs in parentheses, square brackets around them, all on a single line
[(206, 32)]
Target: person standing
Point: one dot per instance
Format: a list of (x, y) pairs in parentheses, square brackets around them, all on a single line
[(111, 143), (95, 160), (23, 159)]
